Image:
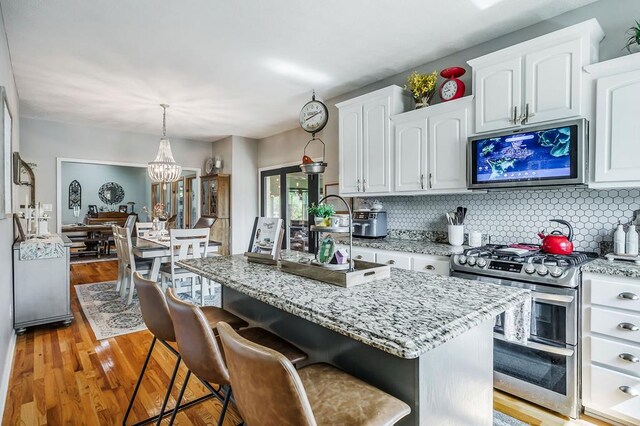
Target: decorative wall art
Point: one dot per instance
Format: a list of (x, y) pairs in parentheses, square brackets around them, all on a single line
[(111, 193), (75, 195)]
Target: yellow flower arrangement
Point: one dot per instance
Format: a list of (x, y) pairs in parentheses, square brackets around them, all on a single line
[(422, 86)]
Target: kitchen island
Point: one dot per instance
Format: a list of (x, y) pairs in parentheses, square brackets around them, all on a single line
[(426, 339)]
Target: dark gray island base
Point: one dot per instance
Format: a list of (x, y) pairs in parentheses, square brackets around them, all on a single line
[(425, 339)]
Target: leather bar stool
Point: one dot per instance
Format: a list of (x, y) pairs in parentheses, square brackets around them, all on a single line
[(155, 314), (202, 353), (270, 392)]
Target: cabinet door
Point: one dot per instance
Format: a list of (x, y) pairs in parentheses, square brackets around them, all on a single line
[(410, 156), (617, 147), (350, 147), (498, 91), (376, 159), (447, 150), (552, 82)]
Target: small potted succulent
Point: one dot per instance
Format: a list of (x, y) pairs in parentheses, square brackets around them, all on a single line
[(322, 213), (422, 87), (634, 36)]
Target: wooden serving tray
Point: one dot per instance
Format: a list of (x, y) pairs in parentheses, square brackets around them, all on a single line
[(364, 272)]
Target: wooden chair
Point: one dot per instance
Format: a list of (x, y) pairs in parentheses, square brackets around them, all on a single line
[(185, 244), (142, 228), (171, 222), (131, 265), (121, 263), (205, 222), (131, 222), (265, 381)]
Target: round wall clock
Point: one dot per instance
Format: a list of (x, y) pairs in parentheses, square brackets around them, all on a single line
[(314, 116), (452, 88)]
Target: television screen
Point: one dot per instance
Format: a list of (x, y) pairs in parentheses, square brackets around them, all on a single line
[(535, 155)]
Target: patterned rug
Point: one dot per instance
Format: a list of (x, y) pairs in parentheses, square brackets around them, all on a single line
[(109, 315)]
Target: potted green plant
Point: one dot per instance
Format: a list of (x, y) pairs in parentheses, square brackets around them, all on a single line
[(321, 212), (634, 36), (422, 87)]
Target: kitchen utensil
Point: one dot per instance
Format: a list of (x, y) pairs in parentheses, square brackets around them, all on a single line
[(556, 242)]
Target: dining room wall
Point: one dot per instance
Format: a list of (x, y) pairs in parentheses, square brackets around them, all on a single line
[(44, 141), (7, 335)]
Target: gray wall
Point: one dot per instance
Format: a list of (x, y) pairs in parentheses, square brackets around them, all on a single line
[(44, 141), (92, 176), (7, 336)]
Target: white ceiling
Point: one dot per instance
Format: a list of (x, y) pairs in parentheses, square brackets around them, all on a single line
[(241, 67)]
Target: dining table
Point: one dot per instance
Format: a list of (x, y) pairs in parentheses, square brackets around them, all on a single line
[(158, 252)]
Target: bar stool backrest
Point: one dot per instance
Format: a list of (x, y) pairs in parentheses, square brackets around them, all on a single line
[(262, 377), (205, 222), (154, 308), (196, 343)]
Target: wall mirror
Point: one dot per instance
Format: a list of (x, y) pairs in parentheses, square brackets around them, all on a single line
[(111, 193)]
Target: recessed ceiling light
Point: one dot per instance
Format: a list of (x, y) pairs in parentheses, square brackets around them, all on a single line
[(289, 69), (485, 4)]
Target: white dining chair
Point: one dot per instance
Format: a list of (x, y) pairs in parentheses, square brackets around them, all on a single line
[(131, 265), (143, 228), (121, 263), (185, 244)]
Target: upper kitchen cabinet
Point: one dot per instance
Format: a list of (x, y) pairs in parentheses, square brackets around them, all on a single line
[(616, 146), (431, 148), (365, 140), (536, 81)]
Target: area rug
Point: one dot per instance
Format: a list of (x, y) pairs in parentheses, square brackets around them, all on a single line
[(109, 315), (501, 419)]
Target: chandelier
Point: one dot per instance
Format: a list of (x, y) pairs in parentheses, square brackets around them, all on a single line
[(164, 168)]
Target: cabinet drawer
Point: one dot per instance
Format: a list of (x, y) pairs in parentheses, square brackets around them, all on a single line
[(609, 353), (395, 260), (610, 323), (606, 391), (368, 256), (431, 265), (623, 293)]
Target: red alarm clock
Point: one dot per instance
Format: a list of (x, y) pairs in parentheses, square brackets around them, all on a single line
[(452, 88)]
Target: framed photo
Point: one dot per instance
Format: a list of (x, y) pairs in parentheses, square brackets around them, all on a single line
[(93, 210), (123, 209), (338, 206), (266, 237), (5, 157)]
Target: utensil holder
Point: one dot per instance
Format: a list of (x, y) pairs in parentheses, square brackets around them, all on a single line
[(456, 234)]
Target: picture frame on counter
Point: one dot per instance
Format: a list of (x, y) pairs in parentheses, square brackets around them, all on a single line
[(334, 189), (266, 240)]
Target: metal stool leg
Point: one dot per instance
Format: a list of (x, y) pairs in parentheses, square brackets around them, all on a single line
[(182, 390), (135, 390), (168, 394), (225, 405)]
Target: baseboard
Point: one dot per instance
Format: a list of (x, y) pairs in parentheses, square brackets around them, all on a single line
[(6, 375)]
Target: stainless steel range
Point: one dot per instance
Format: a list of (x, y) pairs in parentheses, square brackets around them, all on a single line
[(545, 371)]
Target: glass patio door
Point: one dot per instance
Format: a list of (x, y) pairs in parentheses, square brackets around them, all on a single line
[(287, 193)]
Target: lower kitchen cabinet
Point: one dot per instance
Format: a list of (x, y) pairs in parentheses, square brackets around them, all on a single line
[(611, 347), (395, 259), (428, 264)]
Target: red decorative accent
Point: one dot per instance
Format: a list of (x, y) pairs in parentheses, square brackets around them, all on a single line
[(453, 72)]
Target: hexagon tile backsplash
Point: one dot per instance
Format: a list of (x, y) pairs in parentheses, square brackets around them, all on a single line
[(517, 216)]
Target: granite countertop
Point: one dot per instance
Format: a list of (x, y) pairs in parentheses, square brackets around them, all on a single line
[(406, 245), (405, 315), (616, 267)]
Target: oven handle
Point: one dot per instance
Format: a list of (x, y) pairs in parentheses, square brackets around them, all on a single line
[(552, 298), (538, 346)]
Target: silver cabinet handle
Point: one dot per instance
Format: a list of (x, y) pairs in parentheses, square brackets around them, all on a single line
[(515, 115), (628, 326), (391, 262), (422, 181), (364, 185), (628, 296), (629, 358), (358, 185), (430, 180), (629, 390), (430, 268)]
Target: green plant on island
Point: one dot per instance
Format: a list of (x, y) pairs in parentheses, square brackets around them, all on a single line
[(321, 210), (634, 36)]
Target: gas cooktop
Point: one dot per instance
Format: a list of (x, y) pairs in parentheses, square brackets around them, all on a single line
[(522, 262)]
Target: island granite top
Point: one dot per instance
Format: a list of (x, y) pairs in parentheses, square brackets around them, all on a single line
[(405, 245), (615, 267), (405, 315)]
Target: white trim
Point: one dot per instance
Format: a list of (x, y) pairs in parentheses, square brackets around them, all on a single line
[(60, 160), (6, 374)]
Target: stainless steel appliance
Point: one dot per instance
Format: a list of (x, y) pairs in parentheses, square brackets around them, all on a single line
[(547, 155), (370, 224), (545, 371)]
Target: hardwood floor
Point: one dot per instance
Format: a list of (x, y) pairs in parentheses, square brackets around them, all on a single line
[(64, 376)]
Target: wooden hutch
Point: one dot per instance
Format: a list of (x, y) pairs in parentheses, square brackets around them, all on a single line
[(215, 201)]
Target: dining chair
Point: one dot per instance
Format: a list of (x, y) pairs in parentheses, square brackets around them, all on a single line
[(130, 222), (265, 381), (131, 264), (203, 355), (205, 222), (143, 228), (121, 264), (185, 244), (171, 222)]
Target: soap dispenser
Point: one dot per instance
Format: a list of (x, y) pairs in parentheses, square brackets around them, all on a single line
[(619, 240), (632, 241)]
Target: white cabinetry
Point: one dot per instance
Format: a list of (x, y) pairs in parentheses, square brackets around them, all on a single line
[(431, 148), (365, 139), (611, 347), (425, 263), (617, 128), (535, 81)]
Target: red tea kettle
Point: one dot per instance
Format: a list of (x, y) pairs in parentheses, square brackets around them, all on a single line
[(556, 242)]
